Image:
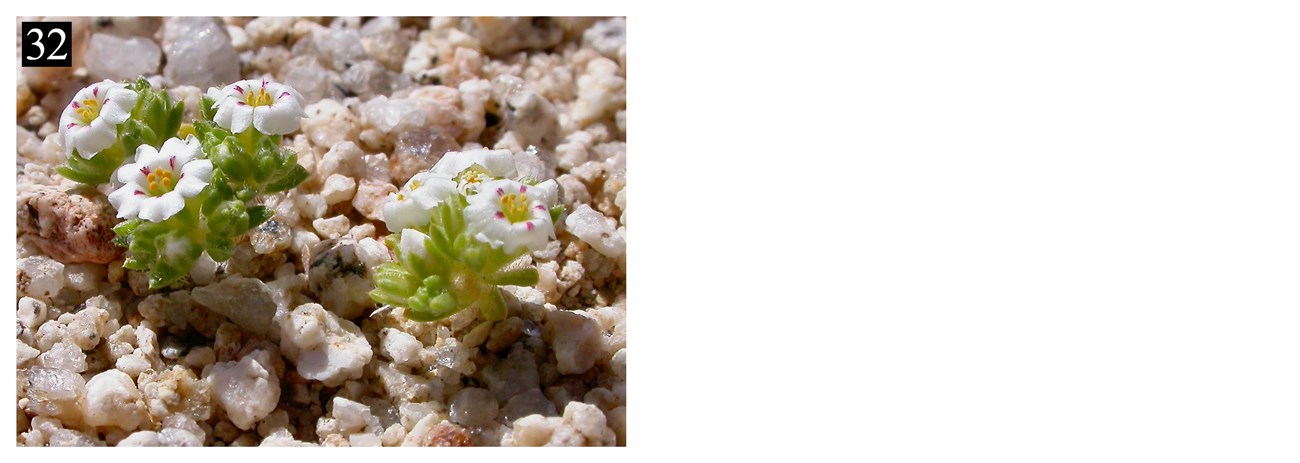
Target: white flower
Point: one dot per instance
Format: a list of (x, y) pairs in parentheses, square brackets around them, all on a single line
[(413, 205), (512, 215), (492, 165), (273, 108), (89, 123), (153, 190), (412, 246)]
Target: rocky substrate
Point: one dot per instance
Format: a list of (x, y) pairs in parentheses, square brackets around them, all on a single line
[(277, 346)]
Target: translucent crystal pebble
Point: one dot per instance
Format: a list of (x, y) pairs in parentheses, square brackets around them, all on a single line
[(199, 52), (111, 57), (473, 406)]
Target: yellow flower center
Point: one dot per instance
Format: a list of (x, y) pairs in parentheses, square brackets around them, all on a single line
[(160, 181), (257, 97), (473, 175), (89, 109), (515, 207)]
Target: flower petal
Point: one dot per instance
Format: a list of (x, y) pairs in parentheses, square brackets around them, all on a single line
[(482, 212), (278, 118), (130, 173), (195, 175), (546, 192), (148, 156), (217, 95), (533, 238), (118, 105), (499, 163), (433, 190), (411, 246), (404, 214), (84, 94), (277, 94), (92, 139), (200, 169), (225, 111), (65, 135), (125, 201), (184, 151), (241, 118), (158, 209)]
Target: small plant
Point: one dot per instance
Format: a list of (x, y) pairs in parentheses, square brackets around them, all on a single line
[(456, 229), (182, 197)]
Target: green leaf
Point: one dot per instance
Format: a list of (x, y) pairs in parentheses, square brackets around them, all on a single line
[(518, 277), (216, 193), (124, 230), (229, 219), (134, 133), (149, 230), (441, 248), (417, 264), (473, 257), (495, 258), (220, 248), (444, 305), (163, 275), (179, 252), (492, 306), (205, 109), (132, 263), (143, 247), (94, 171), (82, 177), (382, 297), (266, 167), (233, 162), (295, 175), (435, 284), (446, 218), (420, 314), (178, 113), (259, 214), (155, 118), (394, 279)]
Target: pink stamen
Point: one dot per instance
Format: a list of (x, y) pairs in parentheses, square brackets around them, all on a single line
[(144, 170), (95, 91), (240, 103), (139, 193), (263, 85), (75, 105), (523, 188), (501, 192), (172, 162), (540, 207), (530, 225), (106, 100), (181, 177), (501, 215), (282, 95), (71, 125), (240, 90)]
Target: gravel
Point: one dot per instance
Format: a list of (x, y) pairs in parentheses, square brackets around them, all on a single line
[(281, 345)]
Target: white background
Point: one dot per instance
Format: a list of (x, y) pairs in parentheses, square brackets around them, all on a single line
[(949, 231)]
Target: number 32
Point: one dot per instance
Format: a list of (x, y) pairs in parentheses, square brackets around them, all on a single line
[(39, 37)]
